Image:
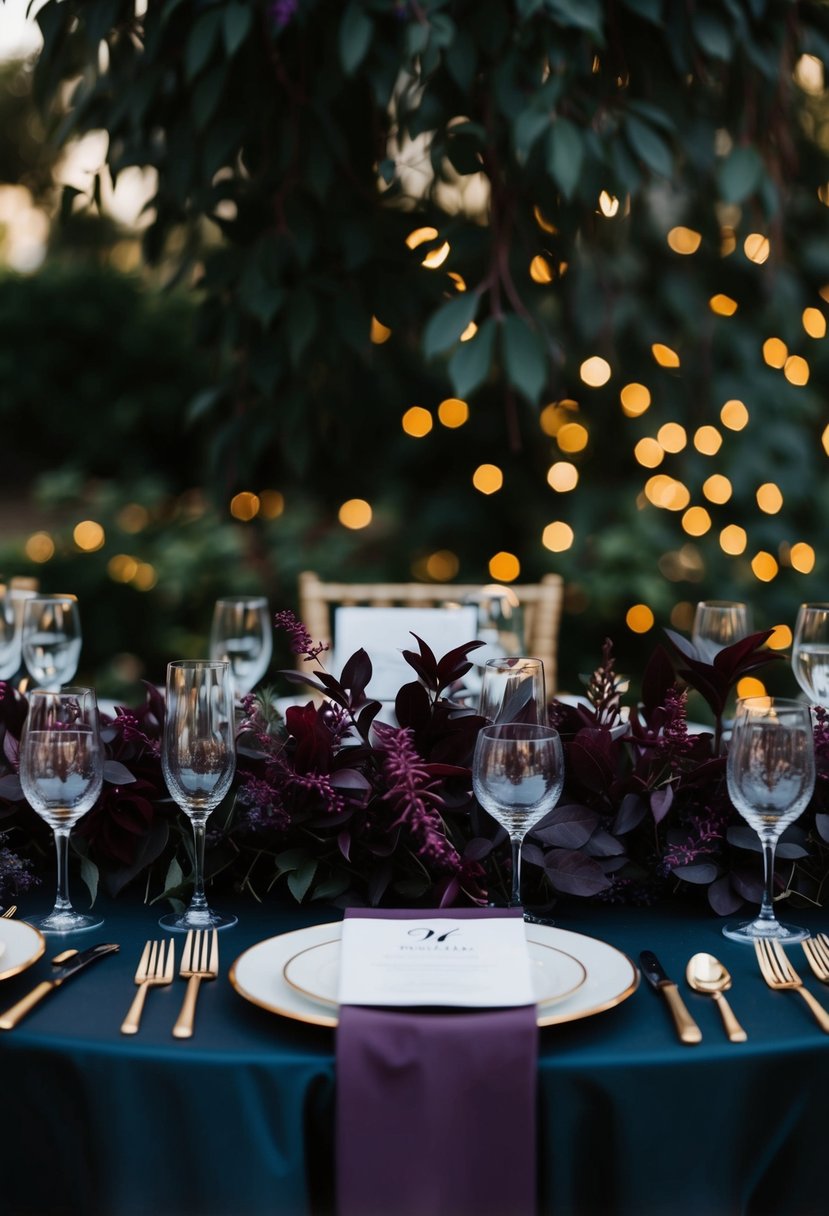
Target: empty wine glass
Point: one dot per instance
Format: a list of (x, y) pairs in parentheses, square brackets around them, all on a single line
[(241, 634), (517, 777), (198, 759), (9, 637), (810, 652), (717, 624), (513, 690), (51, 639), (771, 777), (61, 772)]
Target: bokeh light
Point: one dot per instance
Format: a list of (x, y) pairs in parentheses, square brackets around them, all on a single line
[(504, 567), (488, 478), (355, 513)]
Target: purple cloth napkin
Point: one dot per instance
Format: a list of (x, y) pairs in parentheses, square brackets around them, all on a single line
[(435, 1112)]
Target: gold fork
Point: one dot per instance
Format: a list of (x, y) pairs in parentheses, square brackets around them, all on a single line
[(152, 969), (10, 911), (779, 973), (199, 961), (816, 950)]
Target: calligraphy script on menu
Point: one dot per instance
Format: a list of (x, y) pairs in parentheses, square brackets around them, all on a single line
[(480, 963)]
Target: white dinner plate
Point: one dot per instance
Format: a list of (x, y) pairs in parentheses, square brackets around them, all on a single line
[(315, 972), (258, 975), (23, 945)]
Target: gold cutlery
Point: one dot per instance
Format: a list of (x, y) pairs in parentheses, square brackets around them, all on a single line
[(10, 911), (153, 969), (654, 973), (12, 1016), (199, 961), (779, 973), (816, 950), (705, 973)]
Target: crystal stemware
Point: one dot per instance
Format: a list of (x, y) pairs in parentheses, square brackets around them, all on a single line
[(61, 772), (51, 639), (198, 759), (513, 690), (717, 624), (810, 652), (241, 634), (771, 777), (517, 777)]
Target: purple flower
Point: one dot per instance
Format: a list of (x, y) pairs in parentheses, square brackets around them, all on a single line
[(413, 792), (282, 12), (300, 639)]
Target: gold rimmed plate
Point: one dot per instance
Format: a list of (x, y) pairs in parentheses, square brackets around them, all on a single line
[(315, 972), (22, 946), (258, 975)]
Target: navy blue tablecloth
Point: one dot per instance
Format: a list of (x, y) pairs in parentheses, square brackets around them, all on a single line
[(238, 1121)]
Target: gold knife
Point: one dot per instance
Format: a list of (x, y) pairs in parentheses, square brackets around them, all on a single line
[(656, 976), (12, 1016)]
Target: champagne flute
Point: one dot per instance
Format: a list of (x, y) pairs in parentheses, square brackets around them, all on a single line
[(51, 639), (241, 634), (517, 777), (61, 772), (513, 690), (771, 777), (810, 652), (198, 759), (717, 624)]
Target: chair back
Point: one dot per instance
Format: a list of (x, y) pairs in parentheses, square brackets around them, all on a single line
[(540, 603)]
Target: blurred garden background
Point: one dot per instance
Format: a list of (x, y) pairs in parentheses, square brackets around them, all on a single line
[(413, 289)]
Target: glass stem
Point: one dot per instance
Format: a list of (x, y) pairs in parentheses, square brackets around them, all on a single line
[(62, 902), (767, 906), (198, 902), (515, 898)]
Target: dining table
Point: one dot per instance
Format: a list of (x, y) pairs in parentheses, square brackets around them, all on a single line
[(238, 1120)]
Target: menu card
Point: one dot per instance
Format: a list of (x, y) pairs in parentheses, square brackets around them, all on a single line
[(435, 961)]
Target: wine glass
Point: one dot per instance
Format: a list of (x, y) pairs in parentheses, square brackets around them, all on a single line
[(771, 777), (717, 624), (241, 634), (198, 759), (513, 690), (517, 776), (810, 651), (61, 772), (51, 639)]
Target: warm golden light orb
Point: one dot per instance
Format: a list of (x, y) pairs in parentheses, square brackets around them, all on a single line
[(757, 248), (733, 540), (802, 557), (696, 521), (380, 333), (708, 440), (39, 547), (639, 618), (488, 478), (635, 399), (750, 686), (672, 437), (504, 567), (722, 305), (595, 371), (649, 453), (355, 513), (541, 271), (769, 498), (734, 415), (572, 437), (244, 506), (764, 566), (562, 476), (684, 240), (452, 412), (88, 536), (717, 488), (814, 322), (796, 370), (417, 422), (665, 356), (557, 536), (781, 638), (775, 352)]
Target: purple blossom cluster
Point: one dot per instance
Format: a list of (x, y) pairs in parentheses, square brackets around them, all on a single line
[(299, 638), (414, 795)]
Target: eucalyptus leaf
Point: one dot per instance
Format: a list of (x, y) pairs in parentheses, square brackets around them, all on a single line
[(524, 359), (471, 362), (356, 29), (445, 327)]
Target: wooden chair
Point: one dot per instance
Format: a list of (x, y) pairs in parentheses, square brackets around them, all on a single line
[(540, 603)]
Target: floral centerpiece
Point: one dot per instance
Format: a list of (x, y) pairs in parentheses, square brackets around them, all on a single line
[(333, 804)]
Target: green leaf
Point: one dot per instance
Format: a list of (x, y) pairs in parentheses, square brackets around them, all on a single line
[(89, 874), (713, 35), (445, 327), (356, 29), (649, 146), (200, 42), (470, 364), (565, 155), (300, 880), (236, 24), (651, 10), (301, 322), (579, 14), (740, 174), (524, 360), (206, 95)]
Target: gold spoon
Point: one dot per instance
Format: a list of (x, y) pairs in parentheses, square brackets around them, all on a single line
[(707, 974)]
